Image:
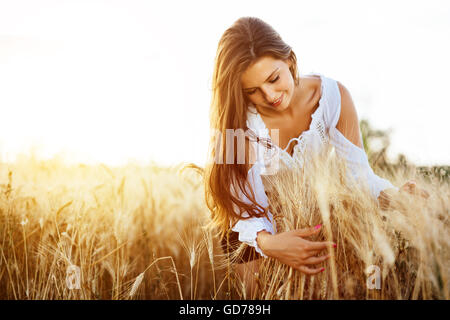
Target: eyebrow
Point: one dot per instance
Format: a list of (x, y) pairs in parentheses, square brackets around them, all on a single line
[(266, 79)]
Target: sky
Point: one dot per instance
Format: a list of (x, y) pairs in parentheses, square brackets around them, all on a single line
[(120, 81)]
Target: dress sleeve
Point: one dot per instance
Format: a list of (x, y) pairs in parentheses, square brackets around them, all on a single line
[(248, 228), (356, 158)]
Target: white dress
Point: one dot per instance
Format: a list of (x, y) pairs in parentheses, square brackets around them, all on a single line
[(322, 130)]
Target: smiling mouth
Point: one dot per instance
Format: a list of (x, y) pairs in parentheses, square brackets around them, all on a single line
[(278, 101)]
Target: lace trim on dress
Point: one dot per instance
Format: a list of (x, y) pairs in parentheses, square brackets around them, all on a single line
[(248, 231)]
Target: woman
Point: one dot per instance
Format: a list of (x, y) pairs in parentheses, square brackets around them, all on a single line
[(256, 88)]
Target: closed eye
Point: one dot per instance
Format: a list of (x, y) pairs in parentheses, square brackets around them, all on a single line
[(271, 81), (275, 80)]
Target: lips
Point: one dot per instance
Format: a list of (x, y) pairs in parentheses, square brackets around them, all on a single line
[(278, 101)]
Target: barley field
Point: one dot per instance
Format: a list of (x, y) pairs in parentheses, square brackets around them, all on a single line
[(138, 232)]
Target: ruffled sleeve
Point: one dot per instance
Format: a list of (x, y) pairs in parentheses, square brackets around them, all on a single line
[(356, 158), (248, 228)]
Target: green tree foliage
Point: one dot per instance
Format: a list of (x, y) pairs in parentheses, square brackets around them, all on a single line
[(376, 144)]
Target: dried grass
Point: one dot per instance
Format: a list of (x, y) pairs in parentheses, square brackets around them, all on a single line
[(137, 233)]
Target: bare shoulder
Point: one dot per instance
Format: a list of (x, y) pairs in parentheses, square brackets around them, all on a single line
[(348, 109), (345, 93), (348, 123)]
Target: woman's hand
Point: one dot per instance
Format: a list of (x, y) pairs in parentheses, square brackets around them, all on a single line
[(387, 198), (411, 187), (292, 249)]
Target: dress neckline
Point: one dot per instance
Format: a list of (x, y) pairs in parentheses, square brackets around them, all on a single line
[(313, 115)]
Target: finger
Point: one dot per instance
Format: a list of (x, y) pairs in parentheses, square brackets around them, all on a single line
[(316, 260), (310, 271), (313, 253), (409, 183), (408, 187), (414, 190), (411, 190), (320, 245), (424, 194), (306, 232)]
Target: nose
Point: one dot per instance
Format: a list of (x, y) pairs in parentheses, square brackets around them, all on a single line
[(269, 95)]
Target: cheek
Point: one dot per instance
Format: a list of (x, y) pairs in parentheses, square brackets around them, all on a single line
[(288, 83), (251, 99), (255, 99), (289, 86)]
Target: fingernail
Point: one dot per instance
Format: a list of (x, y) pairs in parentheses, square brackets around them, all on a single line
[(318, 226), (334, 245), (322, 269)]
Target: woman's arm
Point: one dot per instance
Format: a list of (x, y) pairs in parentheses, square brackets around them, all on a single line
[(249, 228), (388, 198), (348, 125)]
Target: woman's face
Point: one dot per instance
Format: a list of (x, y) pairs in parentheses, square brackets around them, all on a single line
[(267, 81)]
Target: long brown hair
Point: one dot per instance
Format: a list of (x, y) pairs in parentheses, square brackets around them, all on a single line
[(247, 40)]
